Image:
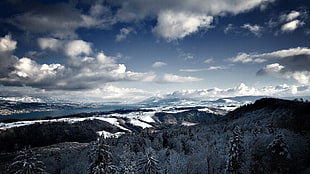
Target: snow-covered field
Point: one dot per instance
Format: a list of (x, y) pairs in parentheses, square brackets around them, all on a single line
[(139, 119)]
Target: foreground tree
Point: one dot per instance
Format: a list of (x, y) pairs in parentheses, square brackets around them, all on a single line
[(235, 151), (27, 162), (127, 163), (280, 155), (148, 164), (101, 158)]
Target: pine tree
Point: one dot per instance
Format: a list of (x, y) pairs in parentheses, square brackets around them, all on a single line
[(235, 151), (27, 163), (148, 164), (101, 158), (127, 163), (280, 154)]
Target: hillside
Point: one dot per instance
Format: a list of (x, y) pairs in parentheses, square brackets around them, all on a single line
[(271, 136)]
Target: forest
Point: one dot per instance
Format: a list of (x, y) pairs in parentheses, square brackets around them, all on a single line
[(268, 136)]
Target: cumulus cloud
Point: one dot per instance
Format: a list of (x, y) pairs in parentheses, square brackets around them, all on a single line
[(61, 20), (7, 47), (50, 44), (177, 20), (292, 20), (77, 47), (81, 73), (271, 69), (291, 26), (290, 16), (124, 32), (71, 48), (7, 44), (255, 29), (176, 25), (159, 64), (283, 90), (83, 70)]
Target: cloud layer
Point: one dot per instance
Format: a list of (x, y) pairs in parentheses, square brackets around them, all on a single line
[(291, 63), (61, 20), (83, 70), (243, 90)]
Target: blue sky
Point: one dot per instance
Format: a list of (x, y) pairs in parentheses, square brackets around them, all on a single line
[(114, 50)]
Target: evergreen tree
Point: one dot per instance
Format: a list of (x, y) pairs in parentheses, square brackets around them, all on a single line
[(235, 151), (148, 164), (127, 163), (280, 154), (27, 162), (101, 158)]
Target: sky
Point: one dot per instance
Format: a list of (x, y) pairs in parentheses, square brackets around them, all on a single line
[(128, 51)]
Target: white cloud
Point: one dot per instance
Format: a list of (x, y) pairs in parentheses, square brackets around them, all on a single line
[(229, 28), (61, 20), (279, 71), (210, 60), (259, 58), (290, 16), (108, 93), (50, 44), (79, 72), (247, 58), (217, 67), (255, 29), (27, 69), (176, 25), (211, 68), (193, 70), (185, 55), (244, 90), (291, 26), (177, 20), (159, 64), (271, 69), (292, 63), (139, 9), (7, 60), (71, 48), (171, 78), (303, 77), (124, 32), (7, 44), (77, 47)]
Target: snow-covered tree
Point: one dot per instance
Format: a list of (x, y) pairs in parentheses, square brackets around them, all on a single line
[(27, 162), (101, 158), (235, 151), (127, 163), (148, 164), (280, 154)]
